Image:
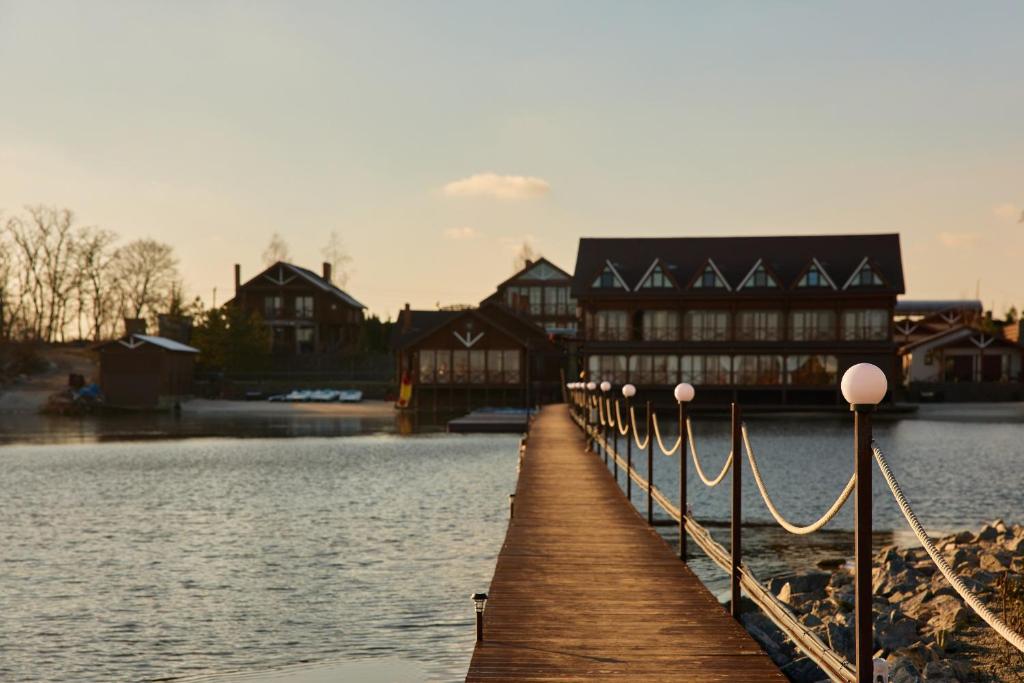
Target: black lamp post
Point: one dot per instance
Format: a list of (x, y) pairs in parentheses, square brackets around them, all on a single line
[(683, 394), (479, 603)]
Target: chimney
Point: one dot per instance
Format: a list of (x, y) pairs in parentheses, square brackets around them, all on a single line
[(238, 278), (134, 326), (529, 262), (406, 316), (327, 271)]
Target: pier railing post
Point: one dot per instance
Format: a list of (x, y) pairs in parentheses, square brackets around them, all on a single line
[(682, 481), (650, 466), (737, 513), (863, 386), (863, 598), (629, 453)]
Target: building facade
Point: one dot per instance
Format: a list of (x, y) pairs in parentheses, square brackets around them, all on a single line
[(305, 312), (761, 320), (486, 356), (541, 293), (145, 372)]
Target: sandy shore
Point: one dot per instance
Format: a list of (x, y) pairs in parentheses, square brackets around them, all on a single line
[(201, 407)]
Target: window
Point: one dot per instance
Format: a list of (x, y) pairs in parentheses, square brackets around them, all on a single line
[(866, 325), (427, 358), (610, 368), (657, 280), (814, 277), (460, 366), (272, 306), (518, 298), (303, 307), (759, 370), (812, 325), (811, 370), (556, 301), (477, 369), (760, 278), (609, 325), (706, 369), (865, 277), (535, 300), (759, 325), (706, 325), (541, 271), (607, 279), (304, 338), (660, 325), (443, 367), (654, 369), (510, 362), (710, 279)]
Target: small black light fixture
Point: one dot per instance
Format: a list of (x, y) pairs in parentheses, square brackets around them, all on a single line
[(480, 602), (511, 508)]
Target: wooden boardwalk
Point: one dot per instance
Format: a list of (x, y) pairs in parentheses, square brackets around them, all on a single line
[(585, 590)]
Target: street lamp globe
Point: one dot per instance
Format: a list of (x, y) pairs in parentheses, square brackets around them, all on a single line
[(864, 384), (606, 386), (591, 386), (683, 392), (629, 391)]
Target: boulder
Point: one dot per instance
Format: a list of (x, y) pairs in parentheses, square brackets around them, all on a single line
[(994, 561), (896, 633), (803, 670), (988, 533), (948, 613), (902, 670), (840, 639), (811, 582)]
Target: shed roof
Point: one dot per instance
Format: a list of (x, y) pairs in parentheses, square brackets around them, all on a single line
[(787, 257), (135, 340), (930, 306)]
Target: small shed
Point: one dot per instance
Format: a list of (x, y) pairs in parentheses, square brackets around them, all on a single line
[(146, 372)]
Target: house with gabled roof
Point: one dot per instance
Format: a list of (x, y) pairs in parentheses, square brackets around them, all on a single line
[(305, 311), (540, 292), (773, 320)]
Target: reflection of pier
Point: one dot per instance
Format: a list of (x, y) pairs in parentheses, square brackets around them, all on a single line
[(584, 589)]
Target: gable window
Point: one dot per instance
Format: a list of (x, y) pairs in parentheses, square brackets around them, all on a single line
[(814, 277), (865, 277), (866, 324), (541, 271), (657, 279), (759, 325), (273, 307), (303, 307), (761, 278), (816, 325), (607, 279), (660, 325), (710, 279), (706, 325)]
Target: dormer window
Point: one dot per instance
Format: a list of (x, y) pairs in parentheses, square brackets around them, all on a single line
[(656, 279), (608, 279), (759, 278), (710, 278), (815, 277), (864, 276)]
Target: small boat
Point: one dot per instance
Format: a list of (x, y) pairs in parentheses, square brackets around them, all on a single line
[(350, 396)]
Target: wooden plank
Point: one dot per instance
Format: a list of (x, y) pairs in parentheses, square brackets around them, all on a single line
[(584, 589)]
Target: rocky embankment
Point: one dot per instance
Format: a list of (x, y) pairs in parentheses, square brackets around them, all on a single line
[(922, 627)]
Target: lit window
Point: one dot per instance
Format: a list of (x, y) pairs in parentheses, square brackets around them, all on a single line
[(477, 370), (510, 361), (443, 368), (811, 370), (426, 359)]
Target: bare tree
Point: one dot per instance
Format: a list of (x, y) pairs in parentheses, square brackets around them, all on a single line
[(146, 273), (277, 250), (526, 253), (97, 290), (334, 252)]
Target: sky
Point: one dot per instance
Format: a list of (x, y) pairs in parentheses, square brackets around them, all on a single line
[(437, 137)]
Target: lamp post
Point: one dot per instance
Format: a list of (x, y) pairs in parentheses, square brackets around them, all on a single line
[(628, 392), (606, 387), (683, 393), (863, 386), (479, 603)]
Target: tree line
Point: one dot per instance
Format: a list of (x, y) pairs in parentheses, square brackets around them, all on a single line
[(60, 280)]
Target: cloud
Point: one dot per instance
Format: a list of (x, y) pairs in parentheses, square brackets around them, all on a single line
[(499, 186), (1008, 211), (464, 233), (955, 240)]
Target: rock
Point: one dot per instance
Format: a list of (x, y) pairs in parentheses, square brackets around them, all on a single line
[(1015, 545), (987, 533), (895, 633), (963, 537), (811, 619), (902, 670), (948, 613), (840, 639), (768, 635), (944, 671), (994, 561), (803, 670), (812, 582), (915, 606), (1000, 526)]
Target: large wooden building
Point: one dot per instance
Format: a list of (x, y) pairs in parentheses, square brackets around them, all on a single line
[(762, 320), (540, 292), (475, 357), (305, 311)]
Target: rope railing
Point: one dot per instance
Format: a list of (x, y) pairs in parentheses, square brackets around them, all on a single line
[(968, 596), (708, 481), (782, 521), (863, 386)]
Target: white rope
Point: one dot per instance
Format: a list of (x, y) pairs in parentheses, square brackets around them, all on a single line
[(618, 420), (636, 437), (955, 581), (600, 412), (793, 528), (710, 483), (657, 434)]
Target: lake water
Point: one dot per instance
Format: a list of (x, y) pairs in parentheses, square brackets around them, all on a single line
[(352, 558)]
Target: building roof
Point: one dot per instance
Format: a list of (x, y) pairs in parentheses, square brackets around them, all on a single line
[(953, 335), (734, 258), (308, 276), (932, 306), (424, 323), (133, 341)]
